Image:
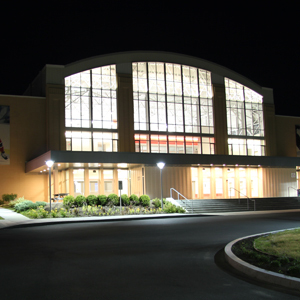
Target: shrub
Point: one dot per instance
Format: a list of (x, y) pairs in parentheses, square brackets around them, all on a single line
[(25, 205), (68, 201), (169, 207), (12, 203), (43, 213), (102, 199), (294, 270), (134, 199), (157, 202), (9, 197), (40, 203), (92, 200), (32, 213), (180, 210), (63, 212), (283, 260), (125, 199), (114, 199), (144, 200), (80, 200), (275, 263)]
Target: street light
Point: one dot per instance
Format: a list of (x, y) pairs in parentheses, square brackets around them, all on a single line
[(161, 166), (50, 163)]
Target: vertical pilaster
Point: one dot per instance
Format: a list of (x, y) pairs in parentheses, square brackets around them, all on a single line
[(220, 120), (125, 113), (55, 117), (86, 182), (71, 182), (270, 129)]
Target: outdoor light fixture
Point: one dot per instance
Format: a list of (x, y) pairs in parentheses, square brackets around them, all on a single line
[(50, 163), (161, 166)]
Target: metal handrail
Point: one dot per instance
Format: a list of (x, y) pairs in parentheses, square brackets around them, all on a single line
[(186, 199), (246, 197), (290, 187)]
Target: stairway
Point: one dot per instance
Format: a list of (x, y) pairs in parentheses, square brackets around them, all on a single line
[(236, 205)]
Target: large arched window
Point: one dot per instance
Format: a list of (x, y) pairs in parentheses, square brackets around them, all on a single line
[(91, 110), (172, 99), (245, 124)]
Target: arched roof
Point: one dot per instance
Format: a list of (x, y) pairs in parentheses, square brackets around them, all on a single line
[(124, 60)]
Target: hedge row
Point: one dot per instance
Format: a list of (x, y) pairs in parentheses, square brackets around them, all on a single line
[(114, 199)]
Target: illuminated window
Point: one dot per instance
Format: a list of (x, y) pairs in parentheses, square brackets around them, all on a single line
[(244, 119), (142, 143), (83, 141), (91, 103), (158, 143), (174, 144), (172, 98), (78, 141)]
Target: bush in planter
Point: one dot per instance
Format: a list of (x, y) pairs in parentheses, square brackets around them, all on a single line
[(134, 199), (9, 197), (157, 202), (92, 200), (25, 205), (114, 198), (169, 208), (12, 203), (144, 200), (80, 200), (125, 200), (102, 200), (172, 208), (40, 203), (68, 201)]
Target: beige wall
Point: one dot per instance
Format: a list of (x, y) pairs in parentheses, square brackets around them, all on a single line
[(279, 182), (27, 140), (179, 178), (137, 179), (286, 135)]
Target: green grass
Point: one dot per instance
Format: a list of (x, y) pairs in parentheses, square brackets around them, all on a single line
[(284, 243), (1, 218)]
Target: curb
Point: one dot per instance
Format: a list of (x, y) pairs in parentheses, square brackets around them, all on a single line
[(258, 273), (41, 222)]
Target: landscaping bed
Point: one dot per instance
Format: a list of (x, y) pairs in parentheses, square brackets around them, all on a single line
[(92, 205), (249, 250)]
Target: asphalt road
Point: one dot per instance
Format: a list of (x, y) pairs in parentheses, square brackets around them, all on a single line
[(171, 258)]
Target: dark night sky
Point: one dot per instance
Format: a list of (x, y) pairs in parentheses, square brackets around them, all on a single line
[(261, 42)]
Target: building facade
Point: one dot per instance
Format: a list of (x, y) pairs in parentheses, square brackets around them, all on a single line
[(111, 118)]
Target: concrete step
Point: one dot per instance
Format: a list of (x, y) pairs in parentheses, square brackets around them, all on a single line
[(234, 205)]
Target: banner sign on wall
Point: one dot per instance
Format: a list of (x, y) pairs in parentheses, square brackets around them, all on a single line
[(4, 135), (298, 139)]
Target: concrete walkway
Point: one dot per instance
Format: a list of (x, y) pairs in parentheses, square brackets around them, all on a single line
[(11, 218)]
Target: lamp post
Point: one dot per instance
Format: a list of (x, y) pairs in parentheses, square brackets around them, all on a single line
[(161, 166), (50, 163)]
